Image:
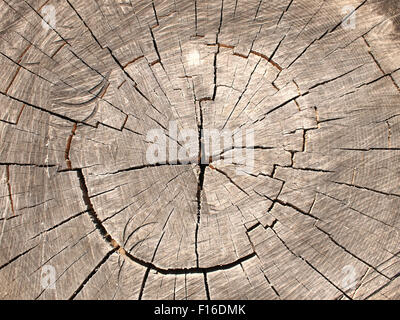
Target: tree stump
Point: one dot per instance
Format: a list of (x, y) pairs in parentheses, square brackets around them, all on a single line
[(86, 215)]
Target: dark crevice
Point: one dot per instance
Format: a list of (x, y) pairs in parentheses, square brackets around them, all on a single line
[(145, 166), (310, 265), (365, 188), (383, 286), (68, 147), (270, 284), (45, 110), (375, 80), (301, 53), (312, 170), (193, 270), (134, 231), (218, 49), (282, 105), (346, 17), (87, 65), (195, 15), (368, 149), (70, 266), (146, 275), (133, 81), (51, 27), (27, 165), (241, 95), (203, 164), (336, 78), (303, 148), (92, 213), (10, 190), (306, 48), (379, 65), (284, 11), (59, 224), (350, 253), (92, 273), (273, 170), (10, 218), (250, 229), (17, 257), (258, 9), (85, 24), (156, 48), (230, 180), (215, 74), (155, 14), (286, 204), (206, 287)]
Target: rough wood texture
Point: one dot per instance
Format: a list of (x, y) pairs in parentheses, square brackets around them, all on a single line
[(78, 98)]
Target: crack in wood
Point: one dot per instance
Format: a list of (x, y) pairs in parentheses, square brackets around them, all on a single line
[(91, 274), (10, 190), (305, 128), (68, 147), (311, 266)]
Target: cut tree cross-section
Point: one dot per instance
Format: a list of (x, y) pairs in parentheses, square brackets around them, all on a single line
[(311, 86)]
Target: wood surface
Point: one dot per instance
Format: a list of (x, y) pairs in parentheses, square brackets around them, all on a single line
[(78, 98)]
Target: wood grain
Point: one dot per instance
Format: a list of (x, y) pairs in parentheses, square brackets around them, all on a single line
[(78, 98)]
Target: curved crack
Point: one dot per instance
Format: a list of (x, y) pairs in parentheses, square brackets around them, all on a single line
[(150, 265)]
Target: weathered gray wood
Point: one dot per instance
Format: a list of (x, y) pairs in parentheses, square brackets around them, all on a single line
[(78, 195)]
